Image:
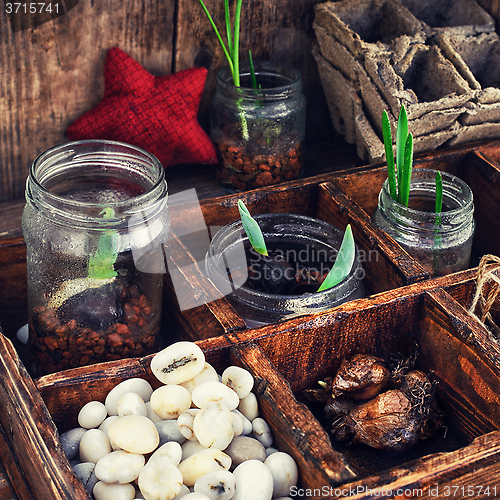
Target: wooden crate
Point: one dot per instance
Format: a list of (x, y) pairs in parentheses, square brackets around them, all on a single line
[(286, 359), (340, 198)]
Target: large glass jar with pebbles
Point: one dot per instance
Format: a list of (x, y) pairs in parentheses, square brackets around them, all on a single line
[(94, 223)]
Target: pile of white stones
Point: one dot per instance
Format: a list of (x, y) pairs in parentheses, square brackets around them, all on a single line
[(197, 437)]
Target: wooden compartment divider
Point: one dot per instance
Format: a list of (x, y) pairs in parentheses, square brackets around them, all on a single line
[(403, 308)]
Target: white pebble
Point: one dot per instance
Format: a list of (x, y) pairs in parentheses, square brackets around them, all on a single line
[(215, 391), (237, 423), (169, 401), (135, 384), (134, 433), (103, 491), (203, 462), (218, 485), (168, 430), (184, 491), (131, 404), (92, 414), (23, 334), (119, 467), (70, 441), (178, 363), (190, 448), (254, 481), (84, 471), (249, 406), (238, 379), (154, 417), (208, 374), (93, 446), (160, 480), (262, 431), (284, 471), (106, 423), (213, 426), (247, 425), (271, 450), (171, 450), (185, 423), (196, 496)]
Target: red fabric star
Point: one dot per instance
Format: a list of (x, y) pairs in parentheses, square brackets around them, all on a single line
[(156, 113)]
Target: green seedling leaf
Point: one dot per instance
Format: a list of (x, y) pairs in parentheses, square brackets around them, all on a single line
[(252, 229), (401, 137), (253, 80), (439, 192), (101, 263), (343, 263), (389, 155), (404, 187)]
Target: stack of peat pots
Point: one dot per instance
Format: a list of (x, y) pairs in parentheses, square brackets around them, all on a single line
[(439, 59)]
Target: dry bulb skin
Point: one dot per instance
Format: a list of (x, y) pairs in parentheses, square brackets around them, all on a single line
[(399, 407)]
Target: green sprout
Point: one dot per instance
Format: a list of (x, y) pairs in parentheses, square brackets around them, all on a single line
[(252, 229), (102, 261), (399, 173), (399, 170), (343, 263)]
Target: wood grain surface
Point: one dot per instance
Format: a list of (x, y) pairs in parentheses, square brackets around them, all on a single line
[(52, 74)]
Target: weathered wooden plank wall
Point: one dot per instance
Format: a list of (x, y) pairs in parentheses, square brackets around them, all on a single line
[(50, 75)]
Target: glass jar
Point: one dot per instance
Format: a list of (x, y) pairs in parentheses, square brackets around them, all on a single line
[(94, 222), (441, 242), (259, 132), (308, 245)]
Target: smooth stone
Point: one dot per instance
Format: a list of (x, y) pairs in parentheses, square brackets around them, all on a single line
[(184, 491), (135, 384), (249, 406), (239, 380), (94, 445), (23, 334), (254, 481), (104, 491), (218, 485), (203, 462), (284, 471), (215, 392), (247, 425), (262, 431), (154, 417), (134, 433), (243, 448), (213, 426), (237, 423), (172, 450), (168, 430), (119, 467), (169, 401), (271, 450), (190, 448), (131, 404), (92, 415), (84, 471), (70, 441), (178, 363), (185, 423), (196, 496), (160, 479), (207, 374), (106, 423)]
